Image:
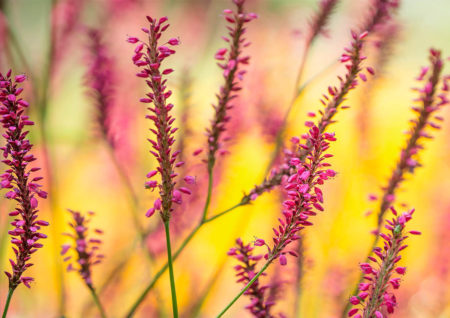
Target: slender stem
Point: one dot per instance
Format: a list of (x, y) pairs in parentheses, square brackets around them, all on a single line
[(97, 302), (218, 215), (172, 279), (208, 195), (245, 288), (8, 300)]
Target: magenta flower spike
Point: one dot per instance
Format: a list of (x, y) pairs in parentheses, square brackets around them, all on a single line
[(259, 305), (375, 297), (85, 252), (85, 247), (149, 57), (100, 79), (302, 188), (230, 60), (320, 20), (352, 59), (18, 179), (432, 98)]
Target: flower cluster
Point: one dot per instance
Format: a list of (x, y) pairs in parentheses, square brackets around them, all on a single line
[(149, 57), (23, 187), (380, 14), (430, 101), (100, 79), (303, 191), (259, 304), (320, 20), (230, 61), (352, 59), (374, 296), (86, 248)]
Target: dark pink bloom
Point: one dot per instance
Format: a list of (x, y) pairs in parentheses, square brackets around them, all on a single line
[(24, 188), (431, 99), (85, 247), (100, 79), (149, 56), (260, 300), (231, 61), (375, 295), (304, 196)]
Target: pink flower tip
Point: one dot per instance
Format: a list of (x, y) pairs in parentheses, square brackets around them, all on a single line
[(131, 39), (415, 232), (20, 78)]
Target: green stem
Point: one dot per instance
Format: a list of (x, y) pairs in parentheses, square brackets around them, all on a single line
[(208, 195), (172, 279), (97, 302), (8, 300), (245, 288)]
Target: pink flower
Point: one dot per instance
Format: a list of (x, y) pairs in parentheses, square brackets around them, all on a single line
[(375, 294), (18, 177), (86, 248)]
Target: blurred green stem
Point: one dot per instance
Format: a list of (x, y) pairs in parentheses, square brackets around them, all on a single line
[(8, 300), (97, 301)]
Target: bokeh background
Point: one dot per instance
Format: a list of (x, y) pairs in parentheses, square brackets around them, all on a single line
[(84, 177)]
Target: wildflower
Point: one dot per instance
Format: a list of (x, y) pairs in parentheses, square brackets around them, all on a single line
[(100, 79), (352, 59), (85, 247), (376, 296), (320, 20), (431, 99), (303, 191), (149, 58), (259, 305), (230, 60), (19, 180)]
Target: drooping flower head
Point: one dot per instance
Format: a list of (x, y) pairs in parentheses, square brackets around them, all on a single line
[(381, 272), (19, 180), (85, 247), (231, 61), (149, 56)]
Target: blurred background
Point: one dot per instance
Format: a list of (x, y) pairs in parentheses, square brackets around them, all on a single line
[(86, 174)]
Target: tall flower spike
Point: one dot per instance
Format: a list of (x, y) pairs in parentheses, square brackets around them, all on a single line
[(18, 179), (230, 60), (352, 59), (303, 191), (259, 305), (100, 80), (380, 13), (431, 99), (320, 20), (375, 296), (149, 57), (85, 247)]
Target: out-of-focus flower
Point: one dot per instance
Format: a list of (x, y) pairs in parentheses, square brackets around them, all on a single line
[(22, 186), (230, 60), (100, 79), (86, 247)]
